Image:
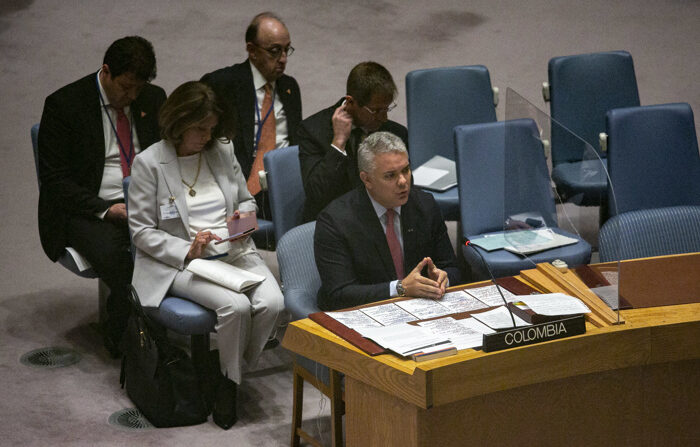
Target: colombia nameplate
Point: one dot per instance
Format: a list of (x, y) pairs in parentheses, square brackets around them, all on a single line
[(538, 333)]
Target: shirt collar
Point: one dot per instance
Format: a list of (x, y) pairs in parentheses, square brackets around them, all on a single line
[(259, 80), (380, 209), (104, 95)]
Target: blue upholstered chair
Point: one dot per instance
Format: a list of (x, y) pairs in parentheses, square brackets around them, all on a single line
[(502, 171), (653, 157), (581, 89), (285, 189), (182, 316), (295, 256), (71, 259), (437, 100), (650, 232)]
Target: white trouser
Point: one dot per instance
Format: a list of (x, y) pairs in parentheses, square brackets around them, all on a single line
[(245, 321)]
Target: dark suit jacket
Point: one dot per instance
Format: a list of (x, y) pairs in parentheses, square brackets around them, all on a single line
[(72, 154), (325, 172), (352, 254), (234, 87)]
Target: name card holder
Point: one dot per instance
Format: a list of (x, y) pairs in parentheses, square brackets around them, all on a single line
[(538, 333)]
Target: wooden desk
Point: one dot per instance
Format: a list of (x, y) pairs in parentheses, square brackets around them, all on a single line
[(633, 384)]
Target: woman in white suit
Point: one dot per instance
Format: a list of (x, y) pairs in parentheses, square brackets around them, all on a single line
[(182, 191)]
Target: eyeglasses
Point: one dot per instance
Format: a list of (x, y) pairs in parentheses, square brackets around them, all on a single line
[(276, 52), (383, 110)]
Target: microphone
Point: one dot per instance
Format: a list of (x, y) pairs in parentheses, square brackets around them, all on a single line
[(468, 243)]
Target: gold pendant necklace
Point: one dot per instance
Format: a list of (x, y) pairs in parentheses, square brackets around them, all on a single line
[(191, 187)]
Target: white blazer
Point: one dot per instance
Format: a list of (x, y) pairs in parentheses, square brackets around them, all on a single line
[(162, 244)]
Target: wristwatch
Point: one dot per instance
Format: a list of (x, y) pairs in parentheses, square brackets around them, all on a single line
[(399, 289)]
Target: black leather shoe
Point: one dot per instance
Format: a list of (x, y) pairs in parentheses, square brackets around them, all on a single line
[(225, 404)]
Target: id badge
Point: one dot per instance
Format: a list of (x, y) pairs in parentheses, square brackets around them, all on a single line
[(169, 211)]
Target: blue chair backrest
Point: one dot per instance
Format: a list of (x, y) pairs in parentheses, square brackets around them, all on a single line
[(35, 146), (285, 188), (653, 157), (651, 232), (501, 170), (297, 264), (437, 100), (582, 89)]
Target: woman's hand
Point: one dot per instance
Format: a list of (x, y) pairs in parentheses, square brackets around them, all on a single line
[(200, 243)]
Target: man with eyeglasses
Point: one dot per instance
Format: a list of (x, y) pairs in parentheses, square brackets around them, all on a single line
[(90, 132), (263, 102), (384, 238), (328, 140)]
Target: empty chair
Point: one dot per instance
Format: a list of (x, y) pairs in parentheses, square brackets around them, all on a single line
[(581, 89), (653, 157), (502, 172), (295, 255), (437, 100), (650, 232), (286, 190)]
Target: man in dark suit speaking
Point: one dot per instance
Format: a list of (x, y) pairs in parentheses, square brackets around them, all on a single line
[(376, 241), (328, 140), (263, 102), (89, 134)]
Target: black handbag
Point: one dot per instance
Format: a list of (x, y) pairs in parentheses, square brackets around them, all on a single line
[(160, 378)]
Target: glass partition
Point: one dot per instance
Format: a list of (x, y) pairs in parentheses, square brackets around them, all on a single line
[(544, 219)]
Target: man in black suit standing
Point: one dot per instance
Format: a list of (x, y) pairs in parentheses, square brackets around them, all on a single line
[(90, 132), (328, 140), (257, 91), (376, 241)]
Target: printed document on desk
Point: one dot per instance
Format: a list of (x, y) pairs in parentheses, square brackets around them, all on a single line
[(554, 304), (489, 295), (500, 318), (404, 339), (464, 334)]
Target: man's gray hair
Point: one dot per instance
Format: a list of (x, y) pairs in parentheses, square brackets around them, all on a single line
[(375, 144)]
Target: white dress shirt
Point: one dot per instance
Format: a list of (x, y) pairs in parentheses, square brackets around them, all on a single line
[(111, 185), (281, 132)]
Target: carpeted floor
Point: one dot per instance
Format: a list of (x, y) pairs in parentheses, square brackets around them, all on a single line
[(46, 44)]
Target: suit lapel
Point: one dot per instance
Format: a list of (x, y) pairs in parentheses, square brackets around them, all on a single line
[(376, 234), (173, 180), (93, 127), (409, 232), (247, 112)]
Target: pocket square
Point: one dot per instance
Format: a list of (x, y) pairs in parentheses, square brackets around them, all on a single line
[(143, 114)]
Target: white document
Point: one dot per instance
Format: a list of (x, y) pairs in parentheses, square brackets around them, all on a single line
[(354, 319), (224, 274), (461, 335), (425, 176), (79, 260), (403, 338), (460, 302), (423, 308), (489, 295), (554, 304), (500, 318), (388, 314)]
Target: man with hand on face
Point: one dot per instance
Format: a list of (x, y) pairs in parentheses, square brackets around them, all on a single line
[(262, 102), (328, 140), (90, 132), (378, 240)]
